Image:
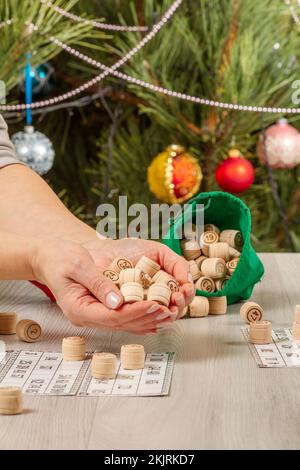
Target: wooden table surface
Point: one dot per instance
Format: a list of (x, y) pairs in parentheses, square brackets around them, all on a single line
[(219, 398)]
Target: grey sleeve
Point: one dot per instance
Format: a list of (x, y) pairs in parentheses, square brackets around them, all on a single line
[(7, 153)]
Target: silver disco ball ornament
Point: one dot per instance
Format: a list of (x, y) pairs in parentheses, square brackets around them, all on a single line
[(34, 149)]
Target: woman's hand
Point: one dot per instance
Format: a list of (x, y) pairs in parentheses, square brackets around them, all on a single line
[(86, 297), (104, 251)]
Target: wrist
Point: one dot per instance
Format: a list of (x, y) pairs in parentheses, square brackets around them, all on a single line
[(52, 256), (80, 232), (45, 257), (16, 256), (36, 260), (30, 256)]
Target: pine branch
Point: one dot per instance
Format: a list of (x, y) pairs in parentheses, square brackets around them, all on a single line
[(15, 40)]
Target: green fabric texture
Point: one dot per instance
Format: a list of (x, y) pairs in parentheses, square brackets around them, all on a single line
[(227, 212)]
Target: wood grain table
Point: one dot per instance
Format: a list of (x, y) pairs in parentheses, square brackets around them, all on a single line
[(219, 398)]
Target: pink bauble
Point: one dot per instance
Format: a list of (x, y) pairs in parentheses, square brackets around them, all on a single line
[(281, 148)]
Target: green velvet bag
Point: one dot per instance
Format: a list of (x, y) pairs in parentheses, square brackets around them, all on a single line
[(226, 212)]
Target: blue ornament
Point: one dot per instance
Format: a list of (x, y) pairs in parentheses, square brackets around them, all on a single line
[(43, 79), (34, 149)]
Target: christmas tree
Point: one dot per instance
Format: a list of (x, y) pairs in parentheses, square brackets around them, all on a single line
[(241, 52)]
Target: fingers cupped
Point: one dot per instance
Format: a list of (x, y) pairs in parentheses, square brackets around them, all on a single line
[(82, 309), (174, 264), (104, 290), (91, 313), (151, 320), (136, 310), (178, 299), (83, 270), (188, 291)]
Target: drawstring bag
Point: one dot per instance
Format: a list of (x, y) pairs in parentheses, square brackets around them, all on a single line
[(226, 212)]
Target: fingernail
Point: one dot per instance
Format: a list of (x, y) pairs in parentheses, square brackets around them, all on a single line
[(153, 308), (113, 300), (190, 278), (164, 315)]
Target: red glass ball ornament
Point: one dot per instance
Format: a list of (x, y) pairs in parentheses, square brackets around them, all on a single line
[(235, 174)]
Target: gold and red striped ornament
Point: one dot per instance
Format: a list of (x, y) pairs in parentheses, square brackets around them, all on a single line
[(174, 175)]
